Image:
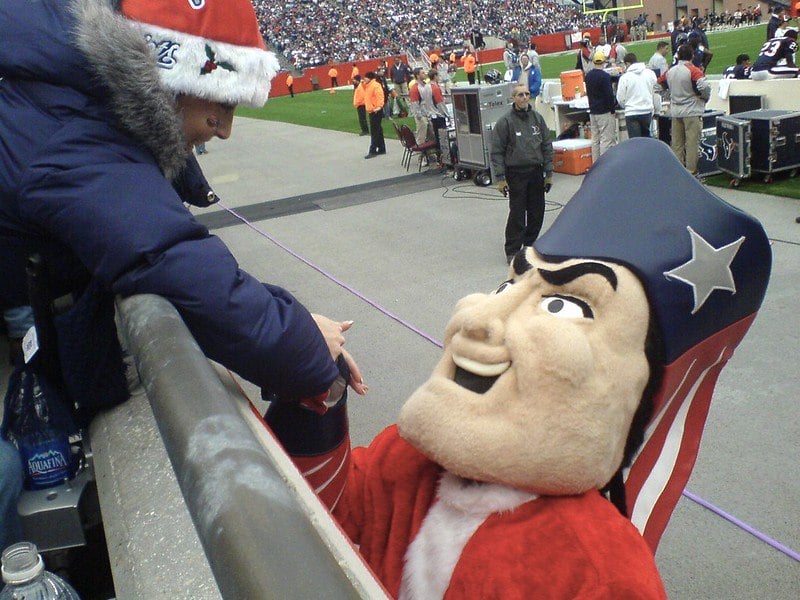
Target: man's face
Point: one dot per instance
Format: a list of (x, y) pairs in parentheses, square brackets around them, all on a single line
[(521, 97), (538, 381), (524, 60)]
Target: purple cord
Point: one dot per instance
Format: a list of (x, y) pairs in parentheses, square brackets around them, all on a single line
[(742, 525), (338, 282), (693, 497)]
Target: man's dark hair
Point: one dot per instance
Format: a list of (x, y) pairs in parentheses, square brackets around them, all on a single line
[(661, 45), (741, 58), (792, 33), (630, 58), (370, 75), (685, 52)]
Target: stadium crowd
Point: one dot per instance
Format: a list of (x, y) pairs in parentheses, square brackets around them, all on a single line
[(314, 32)]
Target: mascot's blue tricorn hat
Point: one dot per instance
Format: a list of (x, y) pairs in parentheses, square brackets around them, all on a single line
[(704, 265)]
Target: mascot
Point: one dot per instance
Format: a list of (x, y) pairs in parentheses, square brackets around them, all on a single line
[(545, 453)]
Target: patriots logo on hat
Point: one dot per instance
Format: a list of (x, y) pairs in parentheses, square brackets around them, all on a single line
[(709, 268)]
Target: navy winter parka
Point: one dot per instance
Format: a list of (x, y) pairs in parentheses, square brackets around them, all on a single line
[(90, 144)]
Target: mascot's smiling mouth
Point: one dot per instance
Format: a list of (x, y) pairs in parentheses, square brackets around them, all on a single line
[(476, 376)]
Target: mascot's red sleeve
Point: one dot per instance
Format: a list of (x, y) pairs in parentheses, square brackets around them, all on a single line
[(551, 547)]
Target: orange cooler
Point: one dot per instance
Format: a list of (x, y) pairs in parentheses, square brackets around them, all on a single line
[(573, 157), (569, 81)]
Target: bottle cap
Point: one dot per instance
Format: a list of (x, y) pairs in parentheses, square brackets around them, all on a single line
[(21, 563)]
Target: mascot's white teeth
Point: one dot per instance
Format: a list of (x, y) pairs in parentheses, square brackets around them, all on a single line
[(482, 369)]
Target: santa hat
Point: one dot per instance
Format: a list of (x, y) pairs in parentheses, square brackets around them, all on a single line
[(211, 49), (704, 265)]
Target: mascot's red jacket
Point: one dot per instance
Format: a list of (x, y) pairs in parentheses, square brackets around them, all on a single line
[(392, 488)]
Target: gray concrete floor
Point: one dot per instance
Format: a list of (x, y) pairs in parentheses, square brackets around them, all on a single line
[(352, 243)]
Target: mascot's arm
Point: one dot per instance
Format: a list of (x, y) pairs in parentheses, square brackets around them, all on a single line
[(319, 444)]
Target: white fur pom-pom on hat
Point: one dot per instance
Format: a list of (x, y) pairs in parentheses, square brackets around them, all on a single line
[(211, 49)]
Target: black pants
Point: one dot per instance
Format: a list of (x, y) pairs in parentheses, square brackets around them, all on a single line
[(362, 118), (525, 207), (291, 91), (377, 144), (471, 78), (334, 82)]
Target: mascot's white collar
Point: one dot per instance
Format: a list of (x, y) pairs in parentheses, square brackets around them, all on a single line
[(461, 507)]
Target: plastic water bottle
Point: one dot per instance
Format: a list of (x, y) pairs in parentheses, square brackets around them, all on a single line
[(25, 577), (45, 451)]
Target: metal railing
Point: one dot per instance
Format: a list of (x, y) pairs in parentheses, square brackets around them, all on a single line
[(263, 531)]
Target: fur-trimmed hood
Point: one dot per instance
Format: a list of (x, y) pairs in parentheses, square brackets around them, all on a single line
[(95, 51)]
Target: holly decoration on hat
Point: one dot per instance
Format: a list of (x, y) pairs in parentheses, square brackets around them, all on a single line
[(211, 64)]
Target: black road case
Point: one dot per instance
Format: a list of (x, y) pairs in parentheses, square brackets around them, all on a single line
[(707, 164), (774, 140), (733, 147)]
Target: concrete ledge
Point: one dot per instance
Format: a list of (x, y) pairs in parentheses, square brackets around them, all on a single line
[(152, 544)]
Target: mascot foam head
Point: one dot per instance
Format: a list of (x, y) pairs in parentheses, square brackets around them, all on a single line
[(609, 336)]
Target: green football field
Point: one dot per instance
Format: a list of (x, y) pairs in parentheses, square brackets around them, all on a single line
[(335, 111)]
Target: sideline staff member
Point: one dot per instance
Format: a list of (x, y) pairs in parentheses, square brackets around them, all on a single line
[(522, 159)]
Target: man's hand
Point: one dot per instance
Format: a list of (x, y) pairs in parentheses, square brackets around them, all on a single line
[(502, 187), (548, 183)]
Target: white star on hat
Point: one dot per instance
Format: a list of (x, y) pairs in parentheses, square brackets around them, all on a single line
[(709, 268)]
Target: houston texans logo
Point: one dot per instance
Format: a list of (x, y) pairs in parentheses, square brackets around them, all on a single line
[(708, 150), (728, 145)]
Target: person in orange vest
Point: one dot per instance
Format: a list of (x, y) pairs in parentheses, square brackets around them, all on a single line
[(334, 75), (469, 65), (373, 102), (290, 84), (358, 103), (355, 73)]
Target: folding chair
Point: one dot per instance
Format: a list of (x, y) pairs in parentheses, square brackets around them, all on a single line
[(406, 153), (412, 147)]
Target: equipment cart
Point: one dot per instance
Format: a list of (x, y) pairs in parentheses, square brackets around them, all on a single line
[(759, 141), (476, 108), (707, 162)]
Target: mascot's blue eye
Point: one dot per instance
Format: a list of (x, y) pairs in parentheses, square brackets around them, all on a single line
[(566, 307)]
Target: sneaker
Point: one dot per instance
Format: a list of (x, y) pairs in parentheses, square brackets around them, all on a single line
[(371, 155), (363, 133)]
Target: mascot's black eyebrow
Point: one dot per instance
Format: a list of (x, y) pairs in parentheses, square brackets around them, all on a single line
[(567, 274)]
